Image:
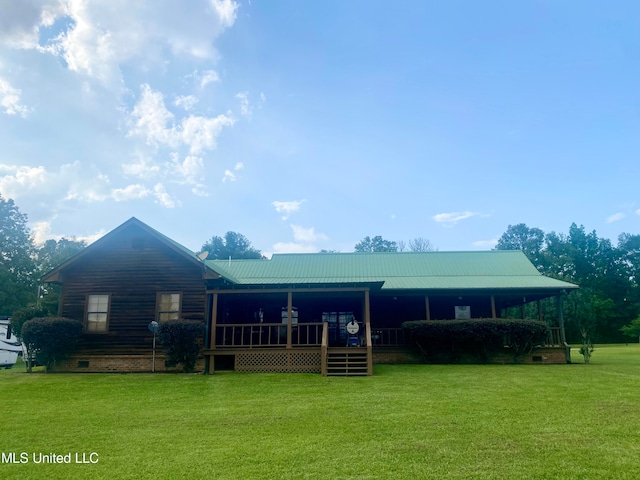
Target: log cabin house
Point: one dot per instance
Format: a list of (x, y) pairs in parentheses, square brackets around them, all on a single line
[(334, 313)]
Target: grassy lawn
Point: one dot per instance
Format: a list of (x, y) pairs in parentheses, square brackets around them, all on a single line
[(408, 421)]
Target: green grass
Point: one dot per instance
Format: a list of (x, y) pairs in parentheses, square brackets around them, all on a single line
[(408, 421)]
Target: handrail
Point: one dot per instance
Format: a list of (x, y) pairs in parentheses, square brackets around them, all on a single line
[(388, 337), (251, 335)]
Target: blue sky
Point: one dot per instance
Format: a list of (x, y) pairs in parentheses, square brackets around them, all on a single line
[(310, 125)]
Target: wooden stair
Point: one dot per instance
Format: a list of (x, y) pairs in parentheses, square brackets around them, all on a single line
[(347, 362)]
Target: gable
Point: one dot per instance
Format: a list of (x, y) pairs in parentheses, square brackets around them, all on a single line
[(130, 244)]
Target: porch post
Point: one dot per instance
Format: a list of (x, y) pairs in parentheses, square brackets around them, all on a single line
[(493, 306), (212, 333), (539, 310), (427, 307), (367, 330), (563, 338), (289, 315)]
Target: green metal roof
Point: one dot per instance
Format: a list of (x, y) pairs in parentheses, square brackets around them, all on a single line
[(497, 269)]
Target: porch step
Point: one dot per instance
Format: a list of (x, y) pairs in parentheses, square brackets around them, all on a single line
[(345, 363)]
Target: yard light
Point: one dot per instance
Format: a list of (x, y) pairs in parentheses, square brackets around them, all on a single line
[(153, 327)]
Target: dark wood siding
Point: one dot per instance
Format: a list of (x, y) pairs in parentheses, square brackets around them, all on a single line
[(132, 267)]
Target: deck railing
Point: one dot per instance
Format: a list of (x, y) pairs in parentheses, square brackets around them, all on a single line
[(388, 337), (554, 339), (264, 335), (396, 337)]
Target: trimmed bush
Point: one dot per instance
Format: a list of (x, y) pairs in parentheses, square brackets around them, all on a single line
[(22, 315), (49, 339), (451, 341), (180, 341)]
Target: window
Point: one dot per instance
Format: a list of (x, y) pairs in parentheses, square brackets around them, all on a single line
[(97, 313), (168, 306)]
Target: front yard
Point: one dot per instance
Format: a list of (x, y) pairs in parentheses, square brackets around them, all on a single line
[(413, 421)]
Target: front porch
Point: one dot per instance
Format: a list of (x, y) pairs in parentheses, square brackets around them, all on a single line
[(305, 329), (259, 348)]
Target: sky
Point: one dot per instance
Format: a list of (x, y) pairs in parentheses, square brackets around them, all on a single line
[(309, 125)]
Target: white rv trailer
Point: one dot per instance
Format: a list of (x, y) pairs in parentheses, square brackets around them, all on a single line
[(10, 347)]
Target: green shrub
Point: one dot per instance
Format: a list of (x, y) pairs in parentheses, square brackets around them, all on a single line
[(49, 339), (451, 341), (20, 316), (180, 341)]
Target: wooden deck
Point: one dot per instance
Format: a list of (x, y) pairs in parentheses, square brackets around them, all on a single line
[(263, 348)]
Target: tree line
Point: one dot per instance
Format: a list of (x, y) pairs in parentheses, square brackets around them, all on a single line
[(608, 301), (605, 308)]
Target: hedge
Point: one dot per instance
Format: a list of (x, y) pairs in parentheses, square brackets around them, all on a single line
[(49, 339), (180, 341), (451, 341)]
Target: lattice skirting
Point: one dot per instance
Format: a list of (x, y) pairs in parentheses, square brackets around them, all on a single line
[(285, 362)]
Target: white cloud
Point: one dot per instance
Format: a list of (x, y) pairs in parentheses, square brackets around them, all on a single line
[(226, 10), (307, 235), (229, 176), (99, 38), (42, 232), (89, 189), (150, 117), (200, 133), (245, 108), (72, 182), (287, 207), (452, 218), (130, 192), (90, 238), (615, 217), (191, 169), (10, 99), (486, 243), (20, 21), (18, 180), (291, 247), (207, 77), (186, 102), (305, 241), (163, 198), (143, 168)]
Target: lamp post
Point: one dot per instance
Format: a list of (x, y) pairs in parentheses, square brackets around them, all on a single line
[(153, 327)]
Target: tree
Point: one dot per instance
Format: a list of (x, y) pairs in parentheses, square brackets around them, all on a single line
[(609, 295), (54, 252), (233, 245), (17, 283), (420, 244), (48, 256), (521, 237), (376, 244), (632, 330)]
